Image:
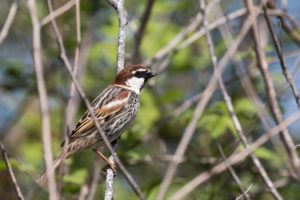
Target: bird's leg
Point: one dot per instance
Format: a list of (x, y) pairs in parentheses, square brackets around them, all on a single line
[(112, 165)]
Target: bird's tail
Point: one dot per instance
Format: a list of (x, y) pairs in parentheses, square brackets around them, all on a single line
[(54, 165)]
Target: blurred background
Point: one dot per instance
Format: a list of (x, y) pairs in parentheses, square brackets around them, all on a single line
[(167, 102)]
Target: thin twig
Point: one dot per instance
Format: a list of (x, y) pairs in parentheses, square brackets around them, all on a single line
[(221, 21), (244, 193), (178, 38), (135, 57), (88, 190), (230, 108), (107, 144), (38, 65), (171, 46), (69, 112), (292, 33), (278, 48), (11, 173), (233, 174), (61, 10), (263, 65), (243, 75), (235, 158), (188, 133), (9, 20)]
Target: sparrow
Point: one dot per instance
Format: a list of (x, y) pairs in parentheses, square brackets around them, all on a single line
[(115, 108)]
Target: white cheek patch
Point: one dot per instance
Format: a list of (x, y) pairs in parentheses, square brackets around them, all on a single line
[(135, 83)]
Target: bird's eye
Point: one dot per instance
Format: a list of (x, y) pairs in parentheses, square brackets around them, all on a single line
[(138, 74)]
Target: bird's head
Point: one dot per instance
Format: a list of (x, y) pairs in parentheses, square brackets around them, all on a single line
[(134, 77)]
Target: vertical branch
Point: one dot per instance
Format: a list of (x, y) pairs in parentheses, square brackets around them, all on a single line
[(69, 113), (9, 20), (278, 48), (38, 65), (11, 172), (230, 108), (135, 57), (263, 65), (109, 190), (122, 35), (119, 6)]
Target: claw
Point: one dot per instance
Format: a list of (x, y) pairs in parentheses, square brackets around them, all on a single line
[(109, 164), (112, 166)]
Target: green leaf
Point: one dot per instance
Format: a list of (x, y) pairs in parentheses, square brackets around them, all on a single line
[(77, 177), (244, 106), (264, 153)]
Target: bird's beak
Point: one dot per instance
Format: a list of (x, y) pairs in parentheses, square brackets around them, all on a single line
[(150, 74)]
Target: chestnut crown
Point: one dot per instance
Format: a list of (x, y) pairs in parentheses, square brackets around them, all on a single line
[(133, 76)]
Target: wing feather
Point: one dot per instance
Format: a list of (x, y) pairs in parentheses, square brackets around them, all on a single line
[(108, 108)]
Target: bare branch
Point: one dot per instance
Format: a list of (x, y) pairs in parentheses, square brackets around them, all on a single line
[(263, 65), (38, 65), (69, 113), (11, 173), (61, 10), (292, 33), (233, 174), (230, 108), (278, 48), (244, 193), (9, 20), (234, 159), (88, 190), (119, 6), (135, 57), (188, 133)]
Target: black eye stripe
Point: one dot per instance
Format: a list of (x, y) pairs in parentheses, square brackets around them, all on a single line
[(139, 74)]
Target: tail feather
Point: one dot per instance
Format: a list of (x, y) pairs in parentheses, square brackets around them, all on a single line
[(54, 165)]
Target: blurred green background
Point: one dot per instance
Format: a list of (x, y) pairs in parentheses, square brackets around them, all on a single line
[(146, 147)]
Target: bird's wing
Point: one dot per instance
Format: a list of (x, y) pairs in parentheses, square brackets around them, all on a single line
[(108, 108)]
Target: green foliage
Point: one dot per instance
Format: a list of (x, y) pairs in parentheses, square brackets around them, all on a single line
[(217, 121), (264, 153), (148, 112), (77, 177)]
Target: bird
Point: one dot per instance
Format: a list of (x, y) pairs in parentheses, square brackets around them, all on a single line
[(114, 108)]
